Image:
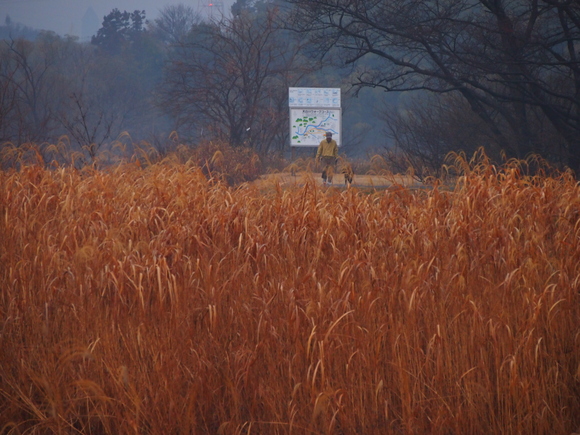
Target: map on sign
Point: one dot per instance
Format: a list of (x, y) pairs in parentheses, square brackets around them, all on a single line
[(314, 97), (309, 126)]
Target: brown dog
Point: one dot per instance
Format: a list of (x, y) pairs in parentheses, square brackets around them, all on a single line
[(348, 173)]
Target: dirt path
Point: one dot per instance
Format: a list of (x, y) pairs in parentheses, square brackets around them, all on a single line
[(359, 181)]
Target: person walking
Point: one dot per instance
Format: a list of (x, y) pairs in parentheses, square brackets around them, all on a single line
[(327, 153)]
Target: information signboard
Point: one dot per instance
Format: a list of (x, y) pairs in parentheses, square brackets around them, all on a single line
[(309, 126), (313, 113), (314, 97)]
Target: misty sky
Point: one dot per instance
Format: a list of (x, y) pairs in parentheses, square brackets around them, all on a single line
[(66, 16)]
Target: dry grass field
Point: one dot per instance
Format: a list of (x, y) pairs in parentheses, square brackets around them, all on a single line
[(155, 301)]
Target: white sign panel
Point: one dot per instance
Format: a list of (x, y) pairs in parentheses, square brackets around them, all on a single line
[(309, 126), (314, 97)]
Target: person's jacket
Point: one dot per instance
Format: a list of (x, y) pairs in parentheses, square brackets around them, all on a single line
[(327, 149)]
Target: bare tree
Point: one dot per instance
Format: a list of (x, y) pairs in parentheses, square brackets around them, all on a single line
[(426, 127), (31, 88), (175, 22), (8, 97), (230, 80), (511, 61), (100, 101)]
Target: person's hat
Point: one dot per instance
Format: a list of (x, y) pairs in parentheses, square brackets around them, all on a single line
[(328, 133)]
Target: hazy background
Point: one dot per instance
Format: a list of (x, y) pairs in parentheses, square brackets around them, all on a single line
[(92, 93), (84, 17)]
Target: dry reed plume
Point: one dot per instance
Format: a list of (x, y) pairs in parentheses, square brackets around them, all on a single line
[(154, 301)]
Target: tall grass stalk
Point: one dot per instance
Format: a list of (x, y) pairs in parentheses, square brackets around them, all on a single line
[(157, 301)]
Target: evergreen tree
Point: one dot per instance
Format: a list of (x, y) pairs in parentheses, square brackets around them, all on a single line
[(119, 30)]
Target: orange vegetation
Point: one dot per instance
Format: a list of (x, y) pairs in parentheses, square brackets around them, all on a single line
[(155, 301)]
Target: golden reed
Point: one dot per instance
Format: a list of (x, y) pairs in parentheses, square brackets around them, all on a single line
[(153, 300)]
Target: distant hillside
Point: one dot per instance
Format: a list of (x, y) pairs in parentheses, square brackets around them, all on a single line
[(12, 30)]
